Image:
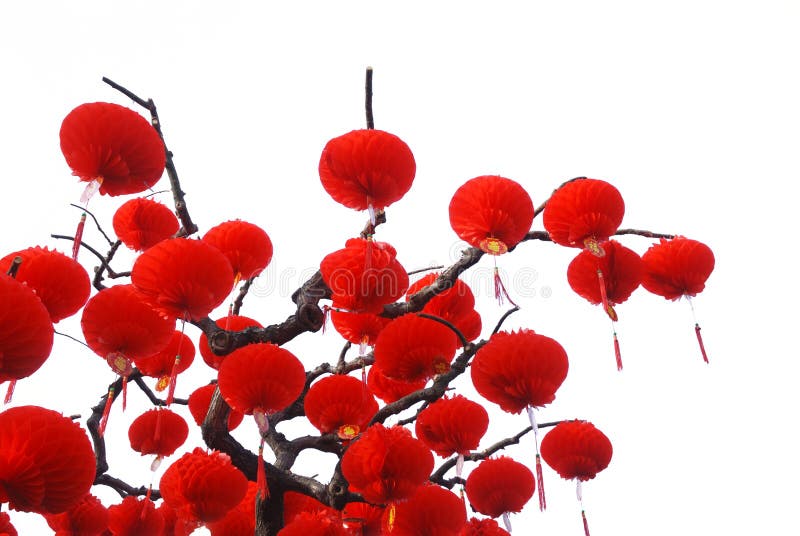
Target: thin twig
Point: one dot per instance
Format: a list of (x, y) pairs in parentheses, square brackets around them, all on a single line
[(342, 355), (123, 488), (368, 99), (503, 318), (14, 267), (237, 303), (646, 234), (541, 207), (464, 341), (96, 223), (139, 381), (428, 269), (71, 337)]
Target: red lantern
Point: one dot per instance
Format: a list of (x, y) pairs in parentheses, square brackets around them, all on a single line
[(183, 278), (114, 146), (199, 402), (577, 450), (158, 431), (142, 223), (61, 283), (456, 305), (678, 267), (316, 523), (583, 212), (174, 525), (498, 486), (388, 389), (452, 425), (364, 276), (220, 488), (340, 404), (386, 464), (363, 518), (46, 463), (491, 213), (241, 520), (367, 169), (431, 511), (26, 331), (413, 348), (483, 527), (6, 528), (88, 518), (228, 323), (135, 516), (166, 364), (358, 328), (295, 503), (247, 247)]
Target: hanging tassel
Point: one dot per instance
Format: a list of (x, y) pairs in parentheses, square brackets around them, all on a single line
[(607, 307), (539, 474), (507, 521), (500, 289), (326, 315), (76, 242), (617, 352), (700, 342), (124, 392), (10, 391), (579, 494), (173, 379), (101, 428), (585, 524), (261, 476)]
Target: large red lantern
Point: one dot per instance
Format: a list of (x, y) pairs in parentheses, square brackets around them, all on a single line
[(46, 464), (363, 518), (247, 247), (583, 212), (364, 276), (386, 464), (431, 511), (113, 146), (367, 169), (158, 431), (135, 516), (340, 404), (229, 323), (61, 283), (87, 518), (676, 268), (498, 486), (142, 223), (577, 450), (413, 348), (456, 305), (220, 485), (183, 278), (200, 401)]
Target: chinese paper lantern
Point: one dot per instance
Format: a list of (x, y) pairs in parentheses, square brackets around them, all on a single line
[(517, 370), (46, 463), (676, 268), (183, 278), (364, 276), (388, 389), (498, 486), (493, 214), (199, 402), (386, 464), (452, 425), (61, 283), (26, 331), (340, 404), (431, 511), (157, 431), (367, 169), (135, 516), (142, 223), (6, 528), (295, 503), (482, 527), (363, 518), (167, 363), (608, 280), (87, 518), (316, 523), (577, 450), (241, 520), (229, 323), (582, 213), (414, 348), (247, 247), (358, 328), (456, 305), (220, 488), (174, 525)]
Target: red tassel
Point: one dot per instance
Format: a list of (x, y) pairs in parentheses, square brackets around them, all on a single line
[(101, 428), (261, 475), (617, 353), (76, 242), (10, 391), (604, 297), (585, 524), (540, 484), (124, 392), (700, 342), (173, 378), (500, 289), (326, 315)]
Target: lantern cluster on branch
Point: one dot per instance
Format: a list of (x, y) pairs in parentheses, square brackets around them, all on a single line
[(416, 341)]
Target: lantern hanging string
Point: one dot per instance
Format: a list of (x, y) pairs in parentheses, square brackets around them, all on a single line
[(539, 473)]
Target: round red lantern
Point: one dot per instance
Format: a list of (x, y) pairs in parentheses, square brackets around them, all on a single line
[(413, 348), (6, 528), (452, 425), (388, 389), (200, 401), (229, 323), (158, 431), (295, 503), (135, 516), (316, 523), (677, 267), (241, 521), (247, 247), (170, 361), (358, 328), (340, 404), (142, 223), (364, 518), (114, 146), (483, 527), (431, 511), (88, 518), (498, 486), (456, 305)]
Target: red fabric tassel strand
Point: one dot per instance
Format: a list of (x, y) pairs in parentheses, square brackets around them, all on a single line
[(124, 392), (101, 428), (700, 342), (540, 483), (76, 242), (500, 291), (612, 314), (617, 352), (585, 524), (261, 475), (10, 391)]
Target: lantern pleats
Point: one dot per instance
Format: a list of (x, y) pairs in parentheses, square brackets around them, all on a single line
[(499, 485), (366, 168), (413, 348), (456, 305), (6, 528), (483, 527), (241, 520), (583, 209), (26, 331), (452, 425), (431, 511), (142, 223), (677, 267), (200, 401), (46, 463), (364, 518), (386, 464), (203, 486), (87, 518), (164, 363), (621, 270), (229, 323), (388, 389), (491, 213), (135, 516), (183, 278), (113, 145), (61, 283), (340, 404), (247, 247), (295, 503), (316, 523), (158, 431), (358, 328)]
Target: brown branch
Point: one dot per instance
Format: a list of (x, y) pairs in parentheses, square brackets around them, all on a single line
[(503, 318), (646, 234), (14, 267), (103, 263), (237, 303), (538, 210), (139, 381), (56, 332), (464, 341), (123, 488), (342, 355), (368, 99), (97, 282)]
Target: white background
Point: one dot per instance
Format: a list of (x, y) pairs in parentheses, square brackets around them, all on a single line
[(689, 107)]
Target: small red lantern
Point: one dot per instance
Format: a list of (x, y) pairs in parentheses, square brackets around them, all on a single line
[(142, 223), (483, 527), (363, 518), (228, 323), (183, 278), (367, 169), (431, 511), (498, 486), (247, 247), (583, 212), (135, 516), (413, 348), (456, 305), (61, 283), (167, 363), (158, 431), (88, 518), (205, 499), (388, 389), (316, 523), (200, 401), (577, 450), (386, 464), (340, 404), (359, 328)]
